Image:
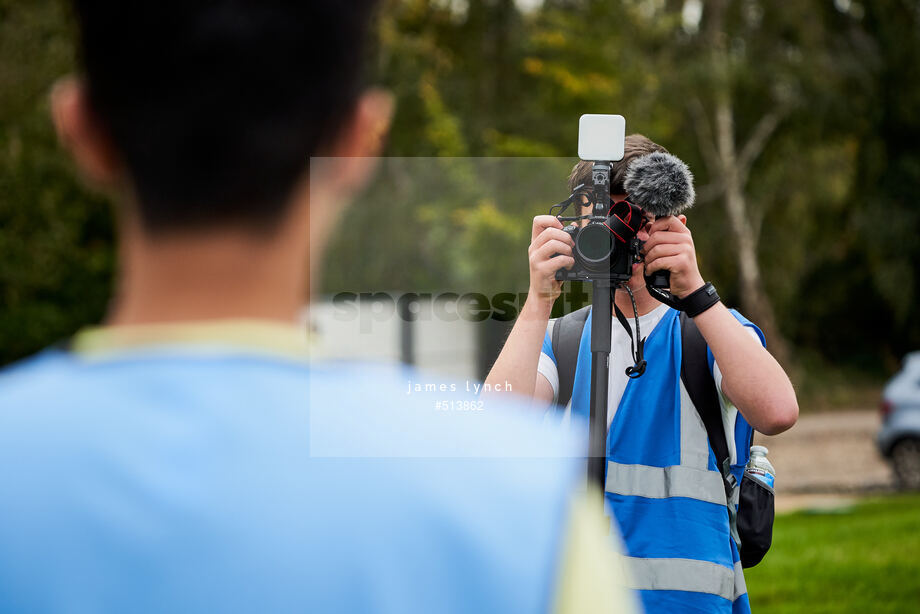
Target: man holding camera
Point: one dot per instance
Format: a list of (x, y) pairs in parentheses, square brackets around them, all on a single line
[(662, 485)]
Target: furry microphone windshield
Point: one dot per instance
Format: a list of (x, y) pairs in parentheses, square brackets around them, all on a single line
[(659, 183)]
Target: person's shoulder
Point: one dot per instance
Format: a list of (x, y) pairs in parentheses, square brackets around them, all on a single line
[(36, 392), (37, 376)]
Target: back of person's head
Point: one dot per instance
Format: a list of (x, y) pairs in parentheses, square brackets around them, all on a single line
[(636, 146), (214, 107)]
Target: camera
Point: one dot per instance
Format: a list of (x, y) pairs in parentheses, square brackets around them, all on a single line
[(606, 246)]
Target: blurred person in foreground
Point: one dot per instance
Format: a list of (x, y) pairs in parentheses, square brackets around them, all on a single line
[(187, 455), (664, 489)]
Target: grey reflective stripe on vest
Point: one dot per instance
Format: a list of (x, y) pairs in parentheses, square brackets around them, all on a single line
[(694, 442), (733, 514), (662, 482), (740, 584), (686, 575)]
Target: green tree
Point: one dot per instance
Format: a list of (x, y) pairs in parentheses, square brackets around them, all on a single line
[(56, 252)]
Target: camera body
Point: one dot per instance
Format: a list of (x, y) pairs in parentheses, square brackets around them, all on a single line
[(619, 264), (606, 247)]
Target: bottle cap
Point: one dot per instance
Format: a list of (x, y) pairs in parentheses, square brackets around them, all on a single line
[(759, 450)]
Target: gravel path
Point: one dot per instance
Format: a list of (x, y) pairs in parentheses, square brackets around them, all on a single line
[(826, 459)]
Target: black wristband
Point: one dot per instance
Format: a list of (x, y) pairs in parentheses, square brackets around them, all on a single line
[(699, 301)]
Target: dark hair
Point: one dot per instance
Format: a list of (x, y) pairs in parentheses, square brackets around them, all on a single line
[(217, 106), (636, 145)]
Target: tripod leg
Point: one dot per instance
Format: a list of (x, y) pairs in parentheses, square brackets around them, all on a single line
[(600, 368)]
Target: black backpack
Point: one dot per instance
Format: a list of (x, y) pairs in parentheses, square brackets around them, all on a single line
[(754, 519)]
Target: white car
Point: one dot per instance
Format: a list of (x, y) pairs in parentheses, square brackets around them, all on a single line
[(899, 439)]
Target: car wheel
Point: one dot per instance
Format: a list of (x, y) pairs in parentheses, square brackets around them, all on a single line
[(905, 458)]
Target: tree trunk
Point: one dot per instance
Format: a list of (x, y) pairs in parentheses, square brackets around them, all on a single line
[(730, 167), (754, 300), (755, 303)]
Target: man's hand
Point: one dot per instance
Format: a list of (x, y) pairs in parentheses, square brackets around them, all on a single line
[(548, 239), (670, 247)]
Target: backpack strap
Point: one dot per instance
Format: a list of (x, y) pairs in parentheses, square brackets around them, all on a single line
[(694, 372), (566, 339)]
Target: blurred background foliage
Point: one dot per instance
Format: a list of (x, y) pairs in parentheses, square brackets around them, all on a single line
[(800, 121)]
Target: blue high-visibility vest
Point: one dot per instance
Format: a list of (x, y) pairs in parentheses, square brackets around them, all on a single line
[(665, 493)]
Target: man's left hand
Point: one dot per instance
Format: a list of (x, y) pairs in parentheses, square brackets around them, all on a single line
[(670, 247)]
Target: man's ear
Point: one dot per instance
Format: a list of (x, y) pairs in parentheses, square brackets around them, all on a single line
[(81, 134), (358, 144), (364, 134)]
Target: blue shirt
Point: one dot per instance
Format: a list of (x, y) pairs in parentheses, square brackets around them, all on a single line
[(228, 476)]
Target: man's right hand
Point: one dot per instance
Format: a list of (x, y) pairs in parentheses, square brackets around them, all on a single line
[(548, 239)]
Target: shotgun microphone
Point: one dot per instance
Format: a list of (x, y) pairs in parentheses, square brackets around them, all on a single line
[(660, 183)]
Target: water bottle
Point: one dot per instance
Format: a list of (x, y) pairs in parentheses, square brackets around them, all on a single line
[(759, 467)]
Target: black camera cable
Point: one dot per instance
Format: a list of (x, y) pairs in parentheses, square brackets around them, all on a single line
[(637, 343)]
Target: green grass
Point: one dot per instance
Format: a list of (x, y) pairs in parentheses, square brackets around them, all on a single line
[(860, 559)]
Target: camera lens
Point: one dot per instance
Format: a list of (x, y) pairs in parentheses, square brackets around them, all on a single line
[(594, 245)]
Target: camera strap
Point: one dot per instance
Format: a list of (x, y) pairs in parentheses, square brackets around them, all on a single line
[(637, 343), (624, 220), (693, 304), (663, 296)]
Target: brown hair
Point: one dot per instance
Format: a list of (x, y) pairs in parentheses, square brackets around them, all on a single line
[(636, 145)]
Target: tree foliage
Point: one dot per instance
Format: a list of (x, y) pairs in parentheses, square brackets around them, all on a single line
[(56, 243)]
